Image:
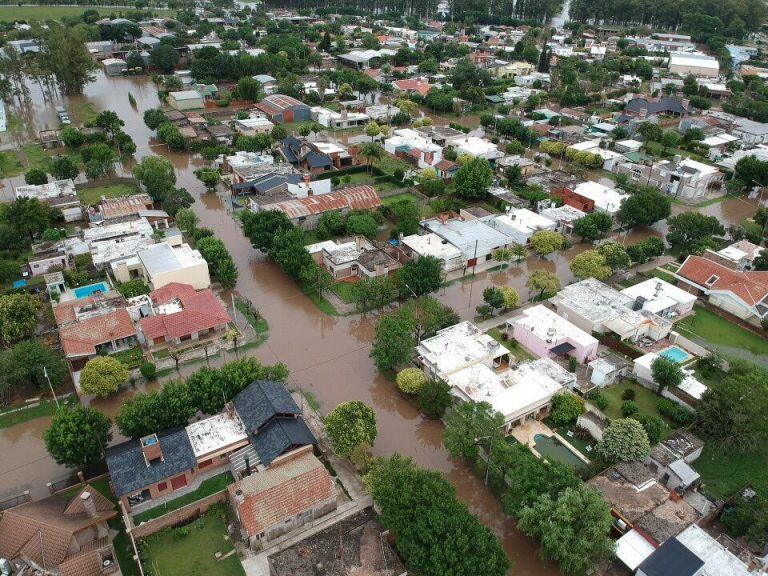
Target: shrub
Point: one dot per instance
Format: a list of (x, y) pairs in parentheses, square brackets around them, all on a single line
[(411, 380), (573, 363), (679, 415), (148, 370), (654, 427), (434, 398), (628, 394), (599, 400), (629, 408), (566, 408)]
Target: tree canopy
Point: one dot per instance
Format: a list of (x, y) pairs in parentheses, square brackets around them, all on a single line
[(349, 425), (77, 436)]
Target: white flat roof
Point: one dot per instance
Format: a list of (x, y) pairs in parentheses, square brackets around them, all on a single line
[(564, 213), (546, 325), (693, 387), (459, 346), (432, 245), (185, 95), (688, 59), (608, 199), (718, 561), (655, 289), (161, 258), (633, 548), (215, 433), (525, 221)]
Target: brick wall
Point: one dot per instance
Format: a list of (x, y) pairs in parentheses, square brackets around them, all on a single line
[(178, 516)]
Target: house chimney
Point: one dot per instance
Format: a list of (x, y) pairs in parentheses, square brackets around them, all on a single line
[(247, 466), (150, 447), (89, 504), (358, 243)]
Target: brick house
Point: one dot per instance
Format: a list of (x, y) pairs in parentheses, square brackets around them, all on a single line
[(295, 490), (59, 534), (181, 314), (571, 198)]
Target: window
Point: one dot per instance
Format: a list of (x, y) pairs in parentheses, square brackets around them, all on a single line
[(205, 463), (162, 486), (711, 280)]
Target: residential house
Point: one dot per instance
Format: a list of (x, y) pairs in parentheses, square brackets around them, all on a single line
[(60, 194), (409, 145), (605, 199), (273, 186), (609, 157), (440, 135), (261, 424), (548, 335), (355, 258), (305, 212), (46, 256), (268, 83), (681, 178), (694, 63), (446, 169), (520, 225), (295, 490), (339, 120), (503, 69), (660, 297), (644, 107), (412, 86), (179, 313), (749, 131), (186, 100), (253, 126), (114, 66), (574, 200), (364, 59), (718, 144), (477, 148), (741, 293), (476, 240), (242, 159), (161, 264), (596, 307), (738, 256), (281, 109), (564, 217), (63, 535), (381, 112), (430, 244), (220, 133)]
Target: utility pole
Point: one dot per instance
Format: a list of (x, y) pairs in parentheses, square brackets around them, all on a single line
[(45, 372)]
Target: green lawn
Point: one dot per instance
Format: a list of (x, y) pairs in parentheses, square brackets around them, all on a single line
[(190, 551), (389, 200), (388, 163), (724, 472), (207, 487), (132, 358), (10, 165), (520, 353), (45, 408), (345, 291), (92, 196), (716, 331), (37, 157), (645, 399)]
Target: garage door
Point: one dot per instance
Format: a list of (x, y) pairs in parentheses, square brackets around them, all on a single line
[(178, 482)]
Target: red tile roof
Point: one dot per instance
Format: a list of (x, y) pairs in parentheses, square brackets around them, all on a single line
[(282, 491), (200, 311), (354, 198), (445, 165), (81, 338), (751, 287), (413, 86), (64, 312)]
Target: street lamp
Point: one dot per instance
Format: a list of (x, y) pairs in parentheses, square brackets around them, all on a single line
[(490, 454), (416, 299)]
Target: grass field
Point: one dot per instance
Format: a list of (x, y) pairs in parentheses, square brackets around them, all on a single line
[(724, 472), (10, 165), (92, 196), (207, 487), (45, 408), (645, 399), (717, 331), (345, 291), (520, 353), (177, 553), (36, 157), (389, 200), (11, 13)]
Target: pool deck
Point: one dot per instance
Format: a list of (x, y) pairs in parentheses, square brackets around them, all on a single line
[(526, 433)]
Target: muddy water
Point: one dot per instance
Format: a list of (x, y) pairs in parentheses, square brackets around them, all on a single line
[(327, 356)]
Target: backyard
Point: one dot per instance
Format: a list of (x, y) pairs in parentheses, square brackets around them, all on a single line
[(646, 400), (191, 550), (92, 196), (715, 331), (345, 291), (725, 472), (206, 488), (520, 353)]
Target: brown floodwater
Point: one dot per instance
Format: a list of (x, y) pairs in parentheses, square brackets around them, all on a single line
[(327, 356)]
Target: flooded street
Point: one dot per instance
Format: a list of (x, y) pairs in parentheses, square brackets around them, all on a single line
[(327, 356)]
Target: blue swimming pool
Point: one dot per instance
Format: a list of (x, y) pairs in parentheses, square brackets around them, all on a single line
[(675, 354), (85, 291)]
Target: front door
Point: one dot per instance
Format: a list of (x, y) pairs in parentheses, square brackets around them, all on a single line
[(178, 482)]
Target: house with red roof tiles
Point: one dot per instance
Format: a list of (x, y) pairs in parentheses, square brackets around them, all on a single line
[(95, 328), (295, 490), (182, 314), (741, 293), (412, 86)]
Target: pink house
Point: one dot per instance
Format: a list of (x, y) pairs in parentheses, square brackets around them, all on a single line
[(546, 334)]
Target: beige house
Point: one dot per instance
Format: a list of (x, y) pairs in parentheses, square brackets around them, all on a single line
[(511, 69), (161, 264), (186, 100)]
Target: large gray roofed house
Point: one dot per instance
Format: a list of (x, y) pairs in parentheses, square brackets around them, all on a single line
[(129, 469), (671, 559)]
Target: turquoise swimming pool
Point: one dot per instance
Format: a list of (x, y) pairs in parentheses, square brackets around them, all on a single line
[(85, 291), (552, 449), (675, 354)]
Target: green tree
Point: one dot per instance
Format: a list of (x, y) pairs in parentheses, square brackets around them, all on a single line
[(154, 117), (18, 317), (407, 215), (420, 277), (24, 364), (545, 283), (186, 220), (494, 298), (692, 232), (566, 408), (289, 253), (171, 135), (99, 160), (573, 528), (248, 89), (624, 440), (420, 507), (36, 177), (28, 216), (63, 168), (363, 224), (330, 225), (593, 225), (263, 227), (654, 427), (133, 288), (208, 176), (374, 293), (372, 130), (547, 241), (67, 58), (469, 425), (644, 208), (411, 380), (279, 133), (666, 373), (103, 375), (157, 175), (435, 398), (370, 151), (393, 342), (590, 264), (349, 425), (511, 298), (615, 255), (165, 57), (77, 437), (72, 137), (473, 179), (219, 259)]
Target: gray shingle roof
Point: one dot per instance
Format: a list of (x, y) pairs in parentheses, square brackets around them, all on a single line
[(261, 401), (280, 436), (130, 472)]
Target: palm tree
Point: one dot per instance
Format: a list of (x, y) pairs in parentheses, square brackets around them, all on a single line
[(233, 336), (519, 251), (370, 151)]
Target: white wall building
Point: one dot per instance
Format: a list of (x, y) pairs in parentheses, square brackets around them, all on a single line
[(405, 141), (605, 199), (660, 297), (697, 64), (476, 240), (520, 224), (433, 245), (477, 148), (161, 264)]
